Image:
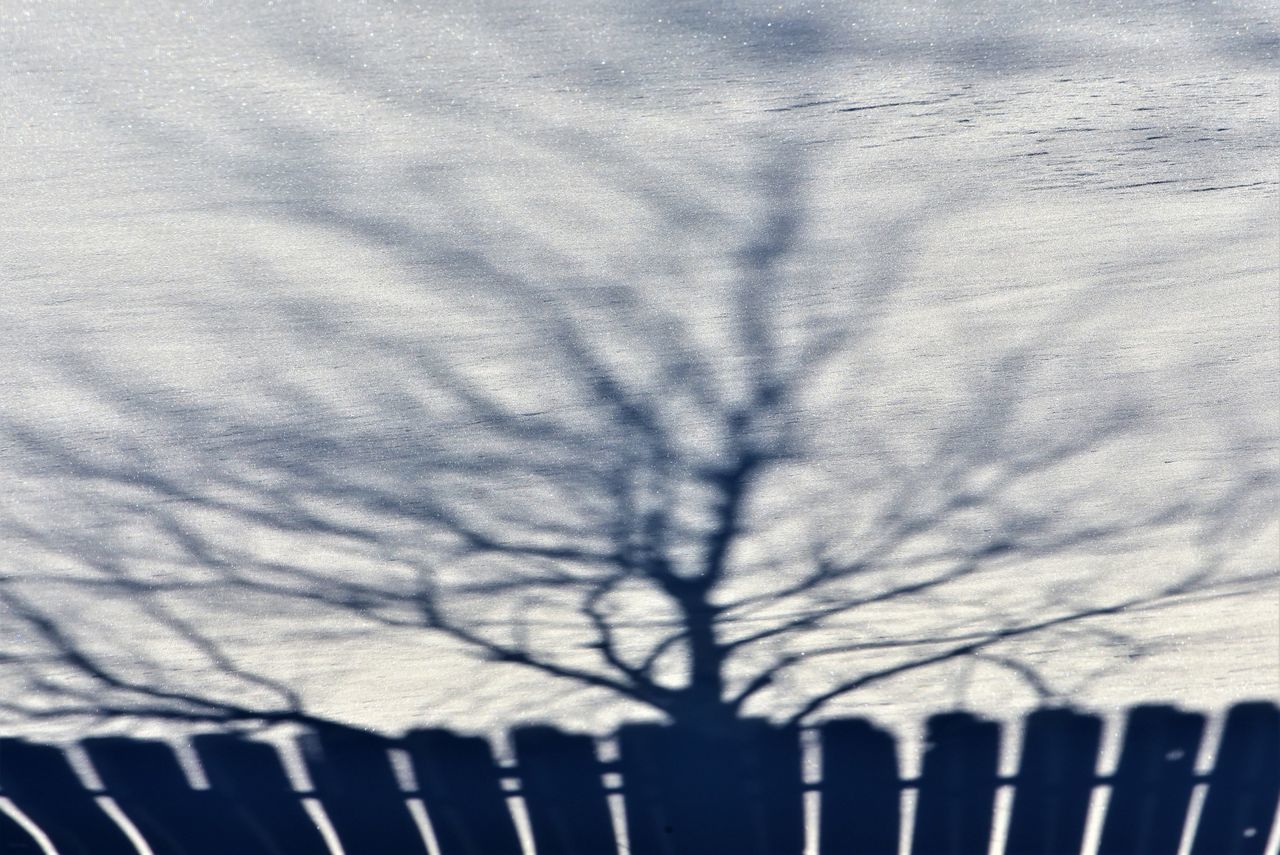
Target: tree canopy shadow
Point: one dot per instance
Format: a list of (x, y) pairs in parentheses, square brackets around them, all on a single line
[(728, 476)]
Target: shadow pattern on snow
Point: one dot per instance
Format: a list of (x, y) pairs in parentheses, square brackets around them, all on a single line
[(715, 491)]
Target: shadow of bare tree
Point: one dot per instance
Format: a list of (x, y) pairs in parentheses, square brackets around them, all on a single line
[(703, 437)]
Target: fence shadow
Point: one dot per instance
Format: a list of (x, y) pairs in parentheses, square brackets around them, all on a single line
[(663, 791)]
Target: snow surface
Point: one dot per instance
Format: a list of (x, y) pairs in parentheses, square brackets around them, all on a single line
[(253, 252)]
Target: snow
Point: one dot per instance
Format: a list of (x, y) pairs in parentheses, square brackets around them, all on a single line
[(256, 255)]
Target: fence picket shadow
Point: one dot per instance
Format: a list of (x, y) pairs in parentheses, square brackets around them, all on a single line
[(357, 786), (149, 785), (735, 790), (1244, 786), (563, 792), (957, 785), (460, 782), (40, 781), (250, 774), (1151, 789), (684, 792), (859, 789), (1054, 783)]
